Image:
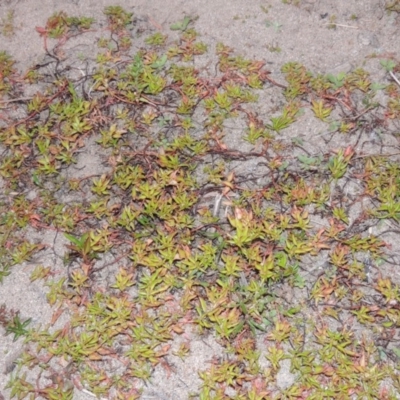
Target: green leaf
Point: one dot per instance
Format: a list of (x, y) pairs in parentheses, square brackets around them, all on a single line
[(76, 241), (337, 80), (320, 110), (396, 350), (388, 65), (181, 25), (377, 86), (160, 62), (17, 327)]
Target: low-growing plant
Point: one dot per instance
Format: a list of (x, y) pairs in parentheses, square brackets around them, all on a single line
[(7, 24), (173, 231)]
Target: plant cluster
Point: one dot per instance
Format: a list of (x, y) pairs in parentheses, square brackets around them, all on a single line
[(393, 5), (148, 254)]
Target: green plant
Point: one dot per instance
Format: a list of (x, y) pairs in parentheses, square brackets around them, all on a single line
[(332, 22), (338, 163), (179, 229), (181, 25), (157, 39), (388, 65), (284, 120), (82, 246), (6, 70), (118, 17), (60, 24), (275, 24), (320, 111), (393, 5), (13, 324), (7, 24)]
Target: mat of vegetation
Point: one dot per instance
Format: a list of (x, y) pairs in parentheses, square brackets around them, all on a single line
[(245, 236)]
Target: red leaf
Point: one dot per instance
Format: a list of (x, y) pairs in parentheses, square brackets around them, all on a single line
[(42, 31)]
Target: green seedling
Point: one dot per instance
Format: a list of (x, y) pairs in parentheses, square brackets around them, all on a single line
[(188, 47), (338, 164), (284, 120), (309, 162), (6, 70), (157, 39), (298, 77), (40, 272), (363, 315), (59, 24), (390, 208), (56, 25), (123, 280), (332, 22), (82, 246), (273, 48), (181, 25), (338, 80), (275, 356), (388, 65), (254, 133), (118, 17), (111, 136), (24, 251), (340, 214), (17, 327), (276, 25), (245, 230), (101, 186), (223, 100), (320, 111), (20, 387), (7, 24), (293, 2)]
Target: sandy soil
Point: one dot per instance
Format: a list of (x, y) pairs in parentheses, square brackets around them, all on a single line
[(264, 30)]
